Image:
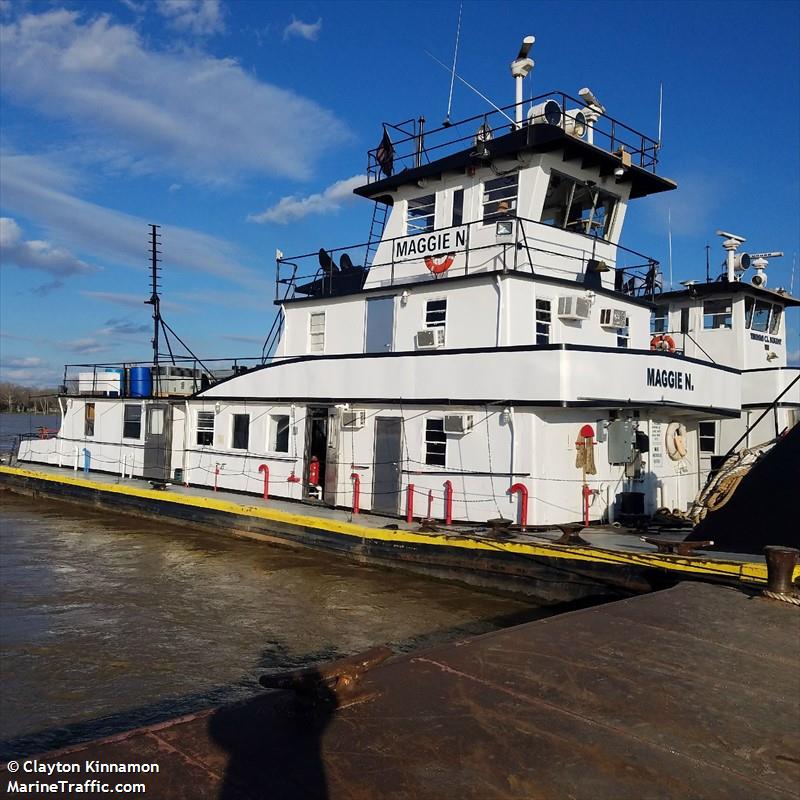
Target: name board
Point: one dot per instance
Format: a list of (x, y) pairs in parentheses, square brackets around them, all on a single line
[(670, 379), (762, 337), (430, 244)]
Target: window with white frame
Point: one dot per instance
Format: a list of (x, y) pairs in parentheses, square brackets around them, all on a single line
[(458, 207), (132, 421), (717, 314), (544, 321), (624, 334), (708, 437), (775, 320), (205, 428), (421, 214), (500, 198), (279, 433), (316, 332), (88, 419), (578, 206), (659, 320), (241, 432), (761, 316), (435, 442), (436, 313)]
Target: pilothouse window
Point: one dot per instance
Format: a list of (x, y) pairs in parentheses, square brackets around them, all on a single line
[(578, 206), (717, 314), (421, 214), (761, 316), (500, 197)]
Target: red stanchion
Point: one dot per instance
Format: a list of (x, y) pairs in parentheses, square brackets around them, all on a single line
[(265, 469), (356, 491), (523, 499), (448, 502), (410, 503)]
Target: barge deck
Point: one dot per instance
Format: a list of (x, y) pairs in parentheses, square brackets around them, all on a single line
[(603, 562), (689, 692)]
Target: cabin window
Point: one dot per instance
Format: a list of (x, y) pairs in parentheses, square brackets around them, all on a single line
[(659, 320), (708, 437), (624, 334), (316, 332), (241, 431), (775, 322), (749, 304), (761, 316), (500, 197), (717, 314), (578, 206), (279, 433), (685, 320), (88, 419), (544, 320), (435, 443), (132, 422), (205, 428), (421, 214), (458, 207), (436, 313), (156, 421)]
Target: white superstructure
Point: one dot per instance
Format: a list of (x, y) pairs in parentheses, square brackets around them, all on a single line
[(491, 333)]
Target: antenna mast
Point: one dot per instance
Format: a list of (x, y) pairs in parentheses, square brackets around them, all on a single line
[(446, 122), (155, 285)]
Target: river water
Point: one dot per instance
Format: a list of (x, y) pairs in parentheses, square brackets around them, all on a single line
[(12, 425), (107, 622)]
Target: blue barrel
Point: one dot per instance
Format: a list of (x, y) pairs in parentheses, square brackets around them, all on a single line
[(118, 371), (141, 382)]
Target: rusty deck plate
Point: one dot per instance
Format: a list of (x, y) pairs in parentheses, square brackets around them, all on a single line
[(692, 692)]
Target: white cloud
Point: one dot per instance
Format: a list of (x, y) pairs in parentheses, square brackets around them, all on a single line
[(25, 361), (289, 209), (303, 30), (200, 17), (37, 254), (113, 235), (86, 346), (174, 187), (183, 112)]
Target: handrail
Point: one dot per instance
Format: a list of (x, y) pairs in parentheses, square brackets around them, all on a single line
[(643, 148)]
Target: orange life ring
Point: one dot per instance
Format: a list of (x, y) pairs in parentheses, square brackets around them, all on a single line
[(663, 342), (438, 267)]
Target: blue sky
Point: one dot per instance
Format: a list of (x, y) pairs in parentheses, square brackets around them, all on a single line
[(241, 127)]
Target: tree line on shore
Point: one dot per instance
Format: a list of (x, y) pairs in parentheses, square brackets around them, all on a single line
[(16, 398)]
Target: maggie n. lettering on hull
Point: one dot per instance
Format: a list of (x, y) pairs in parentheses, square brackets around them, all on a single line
[(432, 244), (670, 379)]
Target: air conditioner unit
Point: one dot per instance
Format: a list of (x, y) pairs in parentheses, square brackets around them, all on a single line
[(613, 318), (457, 423), (573, 307), (430, 338), (354, 419)]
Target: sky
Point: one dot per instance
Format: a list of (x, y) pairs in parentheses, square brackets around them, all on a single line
[(241, 127)]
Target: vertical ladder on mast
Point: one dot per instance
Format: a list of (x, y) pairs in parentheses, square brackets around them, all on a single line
[(379, 214)]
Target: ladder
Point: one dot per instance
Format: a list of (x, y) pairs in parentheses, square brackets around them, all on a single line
[(379, 214)]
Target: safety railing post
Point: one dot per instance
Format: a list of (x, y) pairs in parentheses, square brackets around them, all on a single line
[(356, 478), (410, 503), (448, 502)]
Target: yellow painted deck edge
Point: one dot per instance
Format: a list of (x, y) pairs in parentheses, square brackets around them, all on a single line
[(744, 571)]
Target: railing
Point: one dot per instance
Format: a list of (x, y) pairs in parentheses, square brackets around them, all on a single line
[(605, 132), (530, 248)]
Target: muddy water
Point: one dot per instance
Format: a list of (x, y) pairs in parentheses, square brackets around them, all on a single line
[(111, 622)]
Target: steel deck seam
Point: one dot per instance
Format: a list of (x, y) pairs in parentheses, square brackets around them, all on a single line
[(750, 571)]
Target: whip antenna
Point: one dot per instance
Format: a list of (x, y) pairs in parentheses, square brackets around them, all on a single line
[(446, 123), (660, 107)]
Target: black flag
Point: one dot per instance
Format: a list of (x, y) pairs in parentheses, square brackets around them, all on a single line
[(384, 155)]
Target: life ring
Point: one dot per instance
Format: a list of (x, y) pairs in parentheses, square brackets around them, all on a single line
[(438, 267), (663, 342), (675, 441)]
